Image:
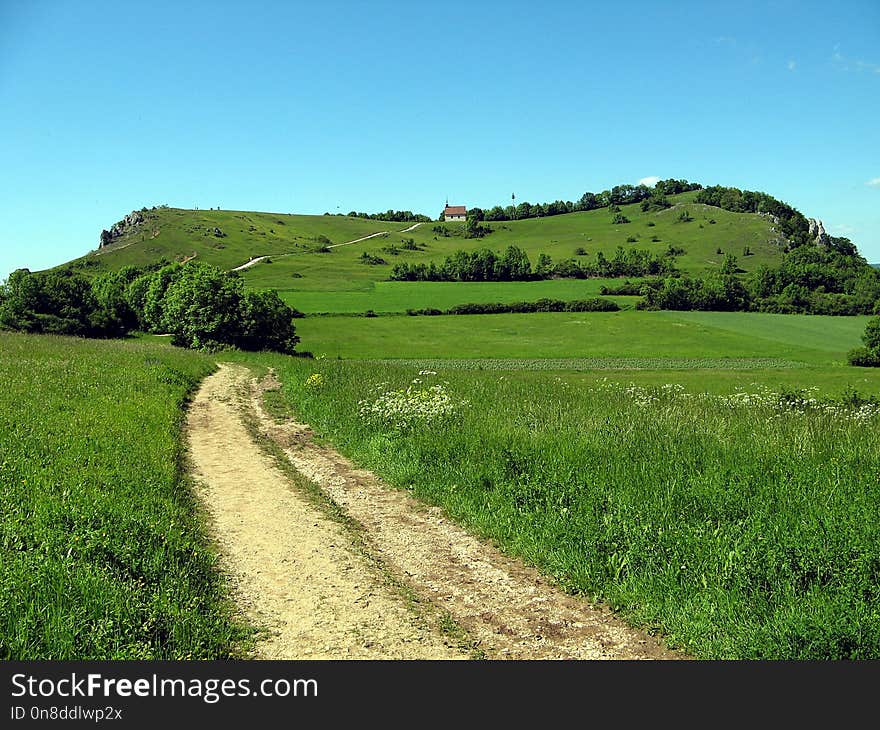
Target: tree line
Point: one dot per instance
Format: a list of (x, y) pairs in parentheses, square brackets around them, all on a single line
[(617, 195), (810, 280), (515, 265), (394, 216), (201, 306), (593, 304)]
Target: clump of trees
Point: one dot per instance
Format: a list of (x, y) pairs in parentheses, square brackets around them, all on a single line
[(810, 280), (869, 355), (514, 265), (201, 306)]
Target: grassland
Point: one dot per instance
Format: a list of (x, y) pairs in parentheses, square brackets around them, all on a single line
[(740, 527), (102, 553)]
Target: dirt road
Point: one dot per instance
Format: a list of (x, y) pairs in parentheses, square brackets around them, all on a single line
[(403, 582)]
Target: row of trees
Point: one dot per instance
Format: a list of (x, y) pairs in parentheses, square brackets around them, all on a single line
[(395, 216), (594, 304), (201, 306), (514, 265)]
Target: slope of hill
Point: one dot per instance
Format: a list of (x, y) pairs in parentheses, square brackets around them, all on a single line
[(308, 254)]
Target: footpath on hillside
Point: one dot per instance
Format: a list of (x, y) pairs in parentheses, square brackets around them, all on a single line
[(392, 579)]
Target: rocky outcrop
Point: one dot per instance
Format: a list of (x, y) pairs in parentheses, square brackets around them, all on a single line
[(126, 225), (817, 232)]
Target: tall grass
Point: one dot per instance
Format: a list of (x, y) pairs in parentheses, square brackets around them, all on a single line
[(102, 555), (740, 526)]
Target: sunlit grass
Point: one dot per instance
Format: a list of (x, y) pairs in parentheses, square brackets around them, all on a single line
[(102, 553)]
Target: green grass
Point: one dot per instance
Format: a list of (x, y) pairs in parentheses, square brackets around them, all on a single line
[(102, 552), (175, 233), (398, 296), (737, 530), (810, 339)]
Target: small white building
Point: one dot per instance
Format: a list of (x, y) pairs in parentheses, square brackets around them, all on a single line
[(454, 213)]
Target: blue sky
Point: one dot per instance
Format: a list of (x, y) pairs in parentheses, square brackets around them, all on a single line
[(333, 106)]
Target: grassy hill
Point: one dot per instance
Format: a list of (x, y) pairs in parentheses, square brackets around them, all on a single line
[(315, 268)]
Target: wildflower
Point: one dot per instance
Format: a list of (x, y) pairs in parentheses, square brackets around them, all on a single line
[(405, 408), (315, 380)]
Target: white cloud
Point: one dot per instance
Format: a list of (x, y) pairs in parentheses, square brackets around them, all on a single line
[(792, 65), (875, 183), (653, 180), (851, 64), (842, 229)]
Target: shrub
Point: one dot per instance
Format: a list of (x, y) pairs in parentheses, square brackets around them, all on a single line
[(371, 259), (619, 219), (266, 323), (863, 357)]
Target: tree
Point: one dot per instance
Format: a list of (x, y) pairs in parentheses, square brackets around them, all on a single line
[(201, 307), (871, 337), (266, 323), (730, 265), (515, 265), (544, 266)]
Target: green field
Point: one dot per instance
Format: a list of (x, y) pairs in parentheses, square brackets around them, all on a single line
[(398, 296), (812, 339), (102, 553)]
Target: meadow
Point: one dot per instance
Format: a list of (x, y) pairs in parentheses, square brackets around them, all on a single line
[(742, 525), (102, 549)]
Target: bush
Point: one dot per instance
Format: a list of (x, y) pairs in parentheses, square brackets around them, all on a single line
[(266, 323), (371, 259), (864, 358), (619, 219)]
